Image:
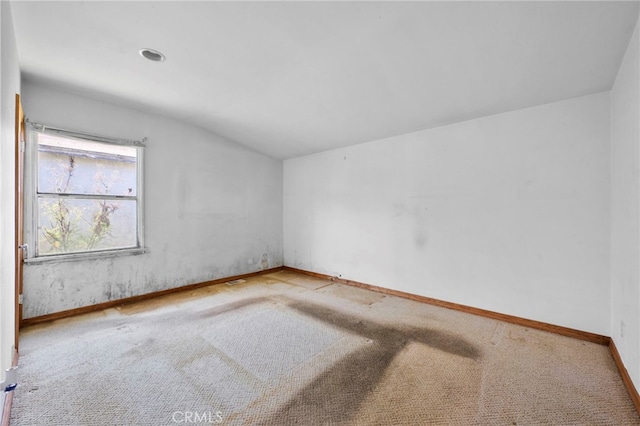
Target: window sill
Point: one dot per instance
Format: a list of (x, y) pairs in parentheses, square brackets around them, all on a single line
[(72, 257)]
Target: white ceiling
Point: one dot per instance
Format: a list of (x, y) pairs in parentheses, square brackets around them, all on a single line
[(293, 78)]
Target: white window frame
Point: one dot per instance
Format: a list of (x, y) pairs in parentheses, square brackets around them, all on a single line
[(31, 195)]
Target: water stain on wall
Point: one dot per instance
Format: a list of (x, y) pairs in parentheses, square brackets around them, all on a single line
[(264, 262)]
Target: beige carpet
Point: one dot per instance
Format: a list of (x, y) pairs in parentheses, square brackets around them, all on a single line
[(287, 349)]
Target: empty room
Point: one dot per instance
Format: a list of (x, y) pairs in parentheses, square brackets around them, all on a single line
[(314, 213)]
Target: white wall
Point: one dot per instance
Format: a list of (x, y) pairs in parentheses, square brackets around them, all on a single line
[(9, 86), (213, 208), (508, 213), (625, 210)]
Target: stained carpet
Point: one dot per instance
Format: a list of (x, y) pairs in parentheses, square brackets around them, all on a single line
[(287, 349)]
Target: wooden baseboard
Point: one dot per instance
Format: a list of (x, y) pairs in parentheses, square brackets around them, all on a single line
[(128, 300), (564, 331), (626, 379), (8, 399)]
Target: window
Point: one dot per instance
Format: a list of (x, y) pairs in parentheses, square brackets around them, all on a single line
[(86, 194)]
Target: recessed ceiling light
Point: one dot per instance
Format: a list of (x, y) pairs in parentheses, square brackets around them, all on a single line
[(152, 55)]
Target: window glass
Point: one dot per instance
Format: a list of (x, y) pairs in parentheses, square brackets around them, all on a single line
[(68, 225), (82, 167), (86, 195)]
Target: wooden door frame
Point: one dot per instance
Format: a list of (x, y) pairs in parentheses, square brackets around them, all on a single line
[(20, 148)]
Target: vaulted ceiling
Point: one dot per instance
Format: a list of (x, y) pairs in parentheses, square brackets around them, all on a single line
[(293, 78)]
